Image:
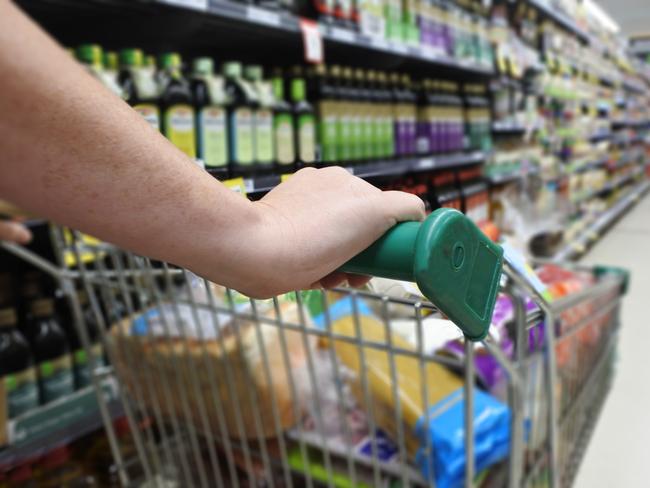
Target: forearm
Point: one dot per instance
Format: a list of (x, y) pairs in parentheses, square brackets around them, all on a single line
[(75, 153)]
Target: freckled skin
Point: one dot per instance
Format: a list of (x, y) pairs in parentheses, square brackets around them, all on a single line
[(75, 153)]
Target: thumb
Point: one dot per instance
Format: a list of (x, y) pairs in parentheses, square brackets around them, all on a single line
[(14, 232)]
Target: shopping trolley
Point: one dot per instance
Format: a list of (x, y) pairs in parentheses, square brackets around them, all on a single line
[(347, 387)]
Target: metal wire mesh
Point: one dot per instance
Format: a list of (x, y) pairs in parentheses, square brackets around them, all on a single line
[(222, 390)]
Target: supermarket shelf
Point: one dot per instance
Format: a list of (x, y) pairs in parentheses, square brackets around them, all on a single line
[(588, 167), (508, 127), (602, 223), (600, 136), (378, 169), (560, 18), (512, 176), (58, 423), (609, 186)]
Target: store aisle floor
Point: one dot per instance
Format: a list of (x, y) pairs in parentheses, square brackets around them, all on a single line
[(618, 452)]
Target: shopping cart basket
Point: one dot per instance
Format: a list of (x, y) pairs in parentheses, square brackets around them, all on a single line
[(347, 387)]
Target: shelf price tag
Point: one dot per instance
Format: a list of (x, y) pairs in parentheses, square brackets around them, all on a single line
[(239, 185), (312, 41)]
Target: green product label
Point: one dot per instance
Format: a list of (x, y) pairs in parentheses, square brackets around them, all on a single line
[(241, 136), (149, 112), (367, 130), (357, 137), (376, 137), (389, 137), (343, 137), (328, 138), (213, 146), (283, 128), (306, 138), (83, 369), (56, 378), (22, 392), (263, 136), (179, 128)]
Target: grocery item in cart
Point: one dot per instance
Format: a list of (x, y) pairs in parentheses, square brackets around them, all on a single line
[(441, 426), (183, 355)]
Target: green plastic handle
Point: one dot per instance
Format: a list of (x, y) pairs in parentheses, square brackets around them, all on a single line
[(453, 263)]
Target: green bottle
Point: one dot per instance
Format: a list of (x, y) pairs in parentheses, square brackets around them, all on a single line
[(241, 106), (285, 154), (139, 86), (263, 140), (210, 101), (304, 124), (176, 105)]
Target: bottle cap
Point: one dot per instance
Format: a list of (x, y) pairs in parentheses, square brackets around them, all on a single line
[(131, 57), (90, 54), (203, 66), (42, 308), (253, 72), (232, 69), (170, 60), (150, 61), (297, 89), (110, 60), (8, 317)]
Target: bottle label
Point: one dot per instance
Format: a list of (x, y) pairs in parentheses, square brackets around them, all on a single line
[(179, 128), (345, 137), (241, 136), (145, 84), (263, 136), (357, 137), (306, 138), (149, 112), (22, 392), (56, 378), (328, 137), (284, 152), (213, 148), (83, 369)]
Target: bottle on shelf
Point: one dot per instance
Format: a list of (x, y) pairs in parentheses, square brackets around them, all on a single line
[(341, 115), (51, 352), (241, 106), (364, 115), (91, 56), (387, 117), (139, 86), (83, 367), (176, 105), (262, 118), (211, 121), (324, 95), (409, 116), (354, 120), (111, 66), (304, 123), (285, 154), (16, 366)]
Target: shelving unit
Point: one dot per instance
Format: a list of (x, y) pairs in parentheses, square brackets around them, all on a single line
[(58, 423), (595, 231)]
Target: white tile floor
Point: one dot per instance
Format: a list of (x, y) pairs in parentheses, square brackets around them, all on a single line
[(619, 452)]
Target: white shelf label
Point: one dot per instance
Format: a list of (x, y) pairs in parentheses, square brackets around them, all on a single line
[(399, 48), (263, 16), (312, 41)]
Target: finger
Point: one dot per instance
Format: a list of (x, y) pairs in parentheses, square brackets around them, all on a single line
[(14, 232), (357, 281), (334, 279), (403, 206)]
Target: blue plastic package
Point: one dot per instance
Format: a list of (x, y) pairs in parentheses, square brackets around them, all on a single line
[(446, 431)]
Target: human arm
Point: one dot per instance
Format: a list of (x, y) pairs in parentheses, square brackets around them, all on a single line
[(77, 154)]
